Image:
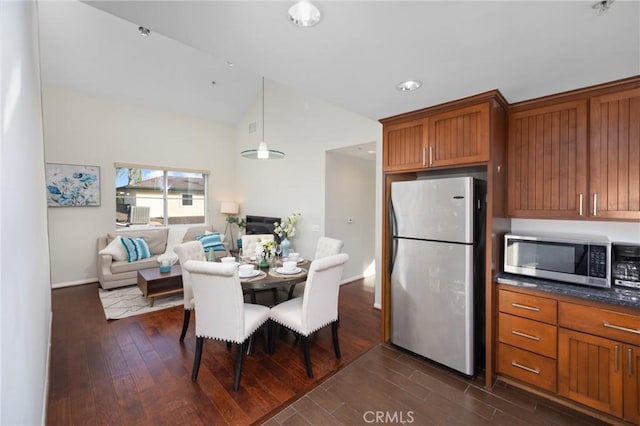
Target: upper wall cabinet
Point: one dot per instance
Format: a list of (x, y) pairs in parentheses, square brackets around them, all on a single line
[(576, 155), (460, 136), (614, 179), (547, 158), (448, 135), (404, 145)]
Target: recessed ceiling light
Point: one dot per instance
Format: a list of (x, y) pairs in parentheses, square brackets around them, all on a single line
[(230, 64), (144, 32), (304, 14), (409, 85)]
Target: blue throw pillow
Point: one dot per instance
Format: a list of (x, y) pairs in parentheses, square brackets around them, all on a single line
[(211, 241), (137, 248)]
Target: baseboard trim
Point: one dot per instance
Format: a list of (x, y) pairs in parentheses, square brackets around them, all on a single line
[(74, 283), (45, 399)]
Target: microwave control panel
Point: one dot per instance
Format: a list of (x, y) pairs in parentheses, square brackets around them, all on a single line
[(598, 261)]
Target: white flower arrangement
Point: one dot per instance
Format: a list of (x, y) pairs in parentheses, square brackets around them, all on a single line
[(265, 249), (287, 229)]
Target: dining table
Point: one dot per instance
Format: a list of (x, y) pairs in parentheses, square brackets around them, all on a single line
[(272, 278)]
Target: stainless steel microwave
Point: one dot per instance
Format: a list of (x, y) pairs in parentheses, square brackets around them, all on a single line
[(584, 260)]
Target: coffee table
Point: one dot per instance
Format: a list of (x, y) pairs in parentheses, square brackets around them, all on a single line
[(154, 283)]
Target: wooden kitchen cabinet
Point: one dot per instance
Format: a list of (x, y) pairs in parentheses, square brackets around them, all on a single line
[(589, 371), (404, 145), (547, 158), (576, 155), (614, 169), (598, 359), (527, 338), (449, 135), (460, 136)]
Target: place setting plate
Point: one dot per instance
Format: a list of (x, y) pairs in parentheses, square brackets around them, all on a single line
[(253, 274), (283, 271)]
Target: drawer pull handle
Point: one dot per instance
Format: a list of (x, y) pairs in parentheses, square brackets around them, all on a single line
[(430, 155), (424, 156), (617, 327), (617, 356), (630, 360), (529, 308), (530, 370), (528, 336)]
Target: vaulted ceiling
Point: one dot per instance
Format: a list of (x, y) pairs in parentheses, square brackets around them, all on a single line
[(353, 59)]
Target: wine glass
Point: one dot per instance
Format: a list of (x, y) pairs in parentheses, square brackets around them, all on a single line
[(240, 257), (278, 250)]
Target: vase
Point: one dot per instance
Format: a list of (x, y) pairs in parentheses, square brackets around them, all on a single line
[(263, 262), (285, 245)]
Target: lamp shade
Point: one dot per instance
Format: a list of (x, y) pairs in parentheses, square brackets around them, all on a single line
[(229, 207)]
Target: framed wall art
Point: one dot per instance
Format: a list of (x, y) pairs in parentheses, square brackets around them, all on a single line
[(70, 185)]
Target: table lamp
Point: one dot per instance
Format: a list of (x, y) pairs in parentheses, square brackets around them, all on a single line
[(229, 208)]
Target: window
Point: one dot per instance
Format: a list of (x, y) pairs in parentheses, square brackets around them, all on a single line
[(187, 199), (156, 196)]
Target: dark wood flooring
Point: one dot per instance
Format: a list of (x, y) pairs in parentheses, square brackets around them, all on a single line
[(135, 371)]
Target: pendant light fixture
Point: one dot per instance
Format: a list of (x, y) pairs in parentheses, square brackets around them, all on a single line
[(262, 153)]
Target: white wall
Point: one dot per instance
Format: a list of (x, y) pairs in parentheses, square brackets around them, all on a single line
[(616, 231), (304, 128), (351, 193), (83, 129), (25, 294)]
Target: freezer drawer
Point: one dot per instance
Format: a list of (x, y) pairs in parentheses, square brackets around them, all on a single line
[(432, 302)]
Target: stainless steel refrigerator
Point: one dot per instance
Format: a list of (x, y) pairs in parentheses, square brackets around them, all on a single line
[(437, 269)]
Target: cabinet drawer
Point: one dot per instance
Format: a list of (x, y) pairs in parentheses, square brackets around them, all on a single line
[(526, 366), (528, 306), (600, 322), (527, 334)]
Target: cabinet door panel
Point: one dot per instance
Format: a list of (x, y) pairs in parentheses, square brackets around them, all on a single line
[(404, 146), (547, 159), (631, 355), (459, 137), (590, 370), (615, 155)]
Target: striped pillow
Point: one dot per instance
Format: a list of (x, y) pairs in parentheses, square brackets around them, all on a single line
[(136, 248), (211, 241)]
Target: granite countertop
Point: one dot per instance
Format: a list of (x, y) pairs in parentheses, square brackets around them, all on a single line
[(615, 295)]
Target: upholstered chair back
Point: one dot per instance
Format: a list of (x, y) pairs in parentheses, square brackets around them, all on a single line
[(191, 250), (328, 247), (320, 298), (219, 301)]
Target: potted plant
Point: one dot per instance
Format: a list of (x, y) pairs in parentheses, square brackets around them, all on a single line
[(285, 231)]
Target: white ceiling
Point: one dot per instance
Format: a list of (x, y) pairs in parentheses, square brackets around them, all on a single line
[(352, 59)]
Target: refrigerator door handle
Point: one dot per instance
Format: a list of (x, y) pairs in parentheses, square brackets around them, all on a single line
[(394, 242)]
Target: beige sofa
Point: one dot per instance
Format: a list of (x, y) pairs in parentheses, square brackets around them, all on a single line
[(119, 273)]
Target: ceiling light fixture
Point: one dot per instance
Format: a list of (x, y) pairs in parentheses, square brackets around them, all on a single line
[(262, 153), (409, 85), (304, 14), (144, 32), (603, 6)]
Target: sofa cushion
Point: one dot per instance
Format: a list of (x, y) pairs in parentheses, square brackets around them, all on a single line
[(124, 266), (211, 241), (194, 231), (137, 248), (115, 249), (155, 238)]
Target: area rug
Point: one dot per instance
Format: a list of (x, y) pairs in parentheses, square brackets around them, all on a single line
[(128, 301)]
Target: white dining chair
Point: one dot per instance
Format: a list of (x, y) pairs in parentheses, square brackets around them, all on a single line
[(221, 312), (191, 250), (328, 246), (316, 308)]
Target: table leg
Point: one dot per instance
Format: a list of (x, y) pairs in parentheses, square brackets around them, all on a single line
[(252, 295)]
